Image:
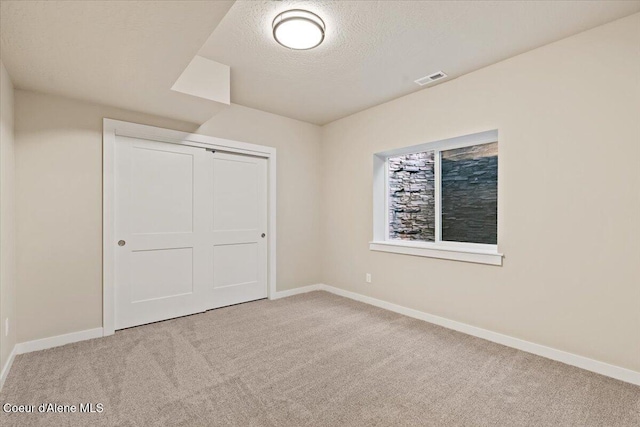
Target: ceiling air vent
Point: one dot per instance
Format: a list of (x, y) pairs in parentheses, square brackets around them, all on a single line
[(431, 78)]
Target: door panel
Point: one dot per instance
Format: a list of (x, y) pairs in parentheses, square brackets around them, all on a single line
[(236, 186), (239, 220), (235, 264), (161, 273), (161, 194), (161, 190)]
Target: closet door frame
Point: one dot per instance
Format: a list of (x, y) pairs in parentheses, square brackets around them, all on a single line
[(114, 128)]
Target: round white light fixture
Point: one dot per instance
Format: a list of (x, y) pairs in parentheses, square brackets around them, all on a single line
[(298, 29)]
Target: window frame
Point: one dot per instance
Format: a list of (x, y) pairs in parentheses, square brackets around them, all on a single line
[(461, 251)]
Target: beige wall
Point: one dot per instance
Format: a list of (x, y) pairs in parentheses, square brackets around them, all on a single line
[(569, 121), (7, 219), (59, 161)]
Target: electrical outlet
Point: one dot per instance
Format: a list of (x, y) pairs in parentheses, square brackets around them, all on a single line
[(6, 327), (368, 278)]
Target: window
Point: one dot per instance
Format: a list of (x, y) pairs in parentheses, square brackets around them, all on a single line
[(439, 199)]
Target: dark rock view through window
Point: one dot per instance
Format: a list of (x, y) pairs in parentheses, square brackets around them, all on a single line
[(469, 195), (411, 197)]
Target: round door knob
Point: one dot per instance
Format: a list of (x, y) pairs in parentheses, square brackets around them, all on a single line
[(263, 235), (121, 243)]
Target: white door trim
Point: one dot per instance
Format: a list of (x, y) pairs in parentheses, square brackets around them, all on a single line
[(113, 128)]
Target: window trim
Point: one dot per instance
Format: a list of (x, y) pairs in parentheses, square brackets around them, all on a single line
[(459, 251)]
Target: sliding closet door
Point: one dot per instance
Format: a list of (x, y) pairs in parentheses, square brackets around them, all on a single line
[(163, 192), (239, 225), (190, 226)]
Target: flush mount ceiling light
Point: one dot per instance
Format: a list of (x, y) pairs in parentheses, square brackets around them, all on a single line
[(298, 29)]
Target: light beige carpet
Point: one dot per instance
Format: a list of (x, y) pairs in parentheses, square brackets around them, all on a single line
[(310, 360)]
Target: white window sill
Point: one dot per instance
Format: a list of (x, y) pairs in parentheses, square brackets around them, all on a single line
[(432, 250)]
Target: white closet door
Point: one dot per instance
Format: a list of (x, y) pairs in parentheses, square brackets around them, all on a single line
[(163, 195), (239, 224), (190, 225)]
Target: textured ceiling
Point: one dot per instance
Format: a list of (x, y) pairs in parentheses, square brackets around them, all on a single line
[(122, 53), (374, 50), (130, 53)]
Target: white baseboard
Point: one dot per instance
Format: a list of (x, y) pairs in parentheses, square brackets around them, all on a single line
[(296, 291), (58, 340), (7, 367), (592, 365)]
